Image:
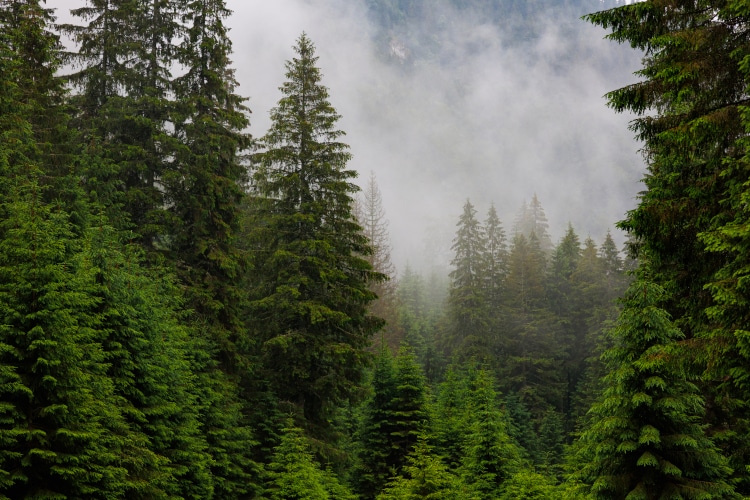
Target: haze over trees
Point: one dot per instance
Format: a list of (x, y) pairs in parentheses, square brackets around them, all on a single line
[(190, 312)]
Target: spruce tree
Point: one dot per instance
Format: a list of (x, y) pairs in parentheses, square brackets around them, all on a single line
[(148, 353), (122, 81), (311, 291), (425, 477), (292, 471), (689, 227), (61, 434), (206, 180), (375, 461), (645, 438), (496, 259), (490, 455), (371, 216), (468, 315)]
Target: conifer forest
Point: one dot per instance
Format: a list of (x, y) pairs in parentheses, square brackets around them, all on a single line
[(193, 307)]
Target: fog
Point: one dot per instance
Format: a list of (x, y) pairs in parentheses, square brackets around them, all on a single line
[(485, 119)]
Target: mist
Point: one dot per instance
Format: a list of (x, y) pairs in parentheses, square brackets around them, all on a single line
[(490, 120), (484, 118)]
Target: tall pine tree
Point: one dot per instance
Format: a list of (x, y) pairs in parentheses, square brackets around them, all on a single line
[(311, 293)]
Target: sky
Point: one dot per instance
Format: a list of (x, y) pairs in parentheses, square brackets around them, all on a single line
[(493, 123)]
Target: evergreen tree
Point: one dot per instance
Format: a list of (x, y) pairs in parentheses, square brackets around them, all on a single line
[(534, 353), (689, 227), (424, 477), (311, 295), (450, 417), (532, 219), (496, 259), (375, 227), (645, 439), (490, 456), (124, 56), (293, 472), (409, 405), (375, 461), (468, 318), (147, 352), (61, 434), (205, 182)]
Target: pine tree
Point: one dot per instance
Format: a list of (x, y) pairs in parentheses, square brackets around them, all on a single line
[(468, 316), (490, 456), (293, 472), (206, 180), (375, 227), (425, 477), (645, 438), (311, 294), (689, 227), (532, 219)]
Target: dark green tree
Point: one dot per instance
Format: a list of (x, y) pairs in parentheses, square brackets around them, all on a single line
[(645, 438), (61, 434), (205, 182), (375, 461), (689, 227), (467, 312), (148, 353), (122, 82), (534, 351), (311, 291)]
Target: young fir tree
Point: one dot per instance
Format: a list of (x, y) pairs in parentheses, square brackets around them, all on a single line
[(293, 471), (425, 476), (449, 421), (490, 456), (311, 291), (375, 461), (645, 438)]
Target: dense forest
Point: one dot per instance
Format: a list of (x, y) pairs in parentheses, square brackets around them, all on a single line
[(189, 311)]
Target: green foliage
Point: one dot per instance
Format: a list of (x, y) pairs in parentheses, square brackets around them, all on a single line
[(490, 456), (311, 285), (468, 315), (424, 477), (393, 418), (645, 438), (61, 434), (528, 485), (292, 471)]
